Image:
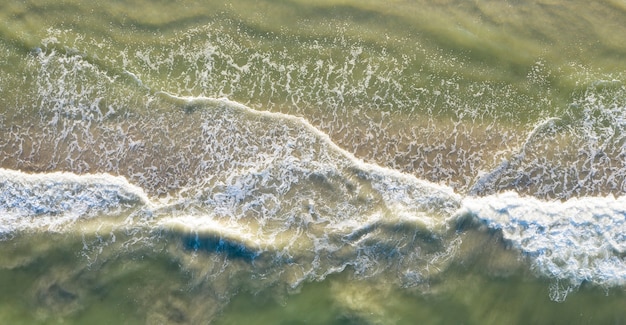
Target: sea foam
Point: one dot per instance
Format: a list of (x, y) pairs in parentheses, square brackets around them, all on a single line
[(356, 221), (51, 200), (578, 240)]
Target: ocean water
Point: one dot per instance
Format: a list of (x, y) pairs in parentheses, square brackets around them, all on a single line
[(301, 162)]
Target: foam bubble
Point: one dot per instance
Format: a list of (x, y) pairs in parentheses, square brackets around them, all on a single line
[(578, 240), (50, 201)]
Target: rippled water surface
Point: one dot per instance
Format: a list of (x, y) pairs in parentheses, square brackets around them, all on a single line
[(329, 162)]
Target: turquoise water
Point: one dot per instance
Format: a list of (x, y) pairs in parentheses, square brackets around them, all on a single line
[(337, 162)]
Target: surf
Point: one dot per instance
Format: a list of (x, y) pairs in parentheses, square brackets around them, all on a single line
[(259, 212)]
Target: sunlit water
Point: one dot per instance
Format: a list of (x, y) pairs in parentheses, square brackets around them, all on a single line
[(336, 162)]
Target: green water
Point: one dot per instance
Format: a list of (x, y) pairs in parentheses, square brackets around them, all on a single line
[(49, 283), (444, 91)]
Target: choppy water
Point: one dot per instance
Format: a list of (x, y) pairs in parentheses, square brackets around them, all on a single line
[(353, 162)]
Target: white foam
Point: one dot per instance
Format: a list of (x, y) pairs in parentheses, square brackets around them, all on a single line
[(52, 200), (578, 240), (377, 172)]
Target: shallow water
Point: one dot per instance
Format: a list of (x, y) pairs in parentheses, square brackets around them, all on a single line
[(343, 162)]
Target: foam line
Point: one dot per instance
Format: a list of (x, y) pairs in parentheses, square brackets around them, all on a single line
[(581, 239), (31, 201), (356, 162)]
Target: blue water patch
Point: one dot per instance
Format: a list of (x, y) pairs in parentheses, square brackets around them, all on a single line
[(210, 243)]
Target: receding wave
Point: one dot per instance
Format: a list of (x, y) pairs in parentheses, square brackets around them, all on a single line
[(579, 240), (50, 201), (282, 195)]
